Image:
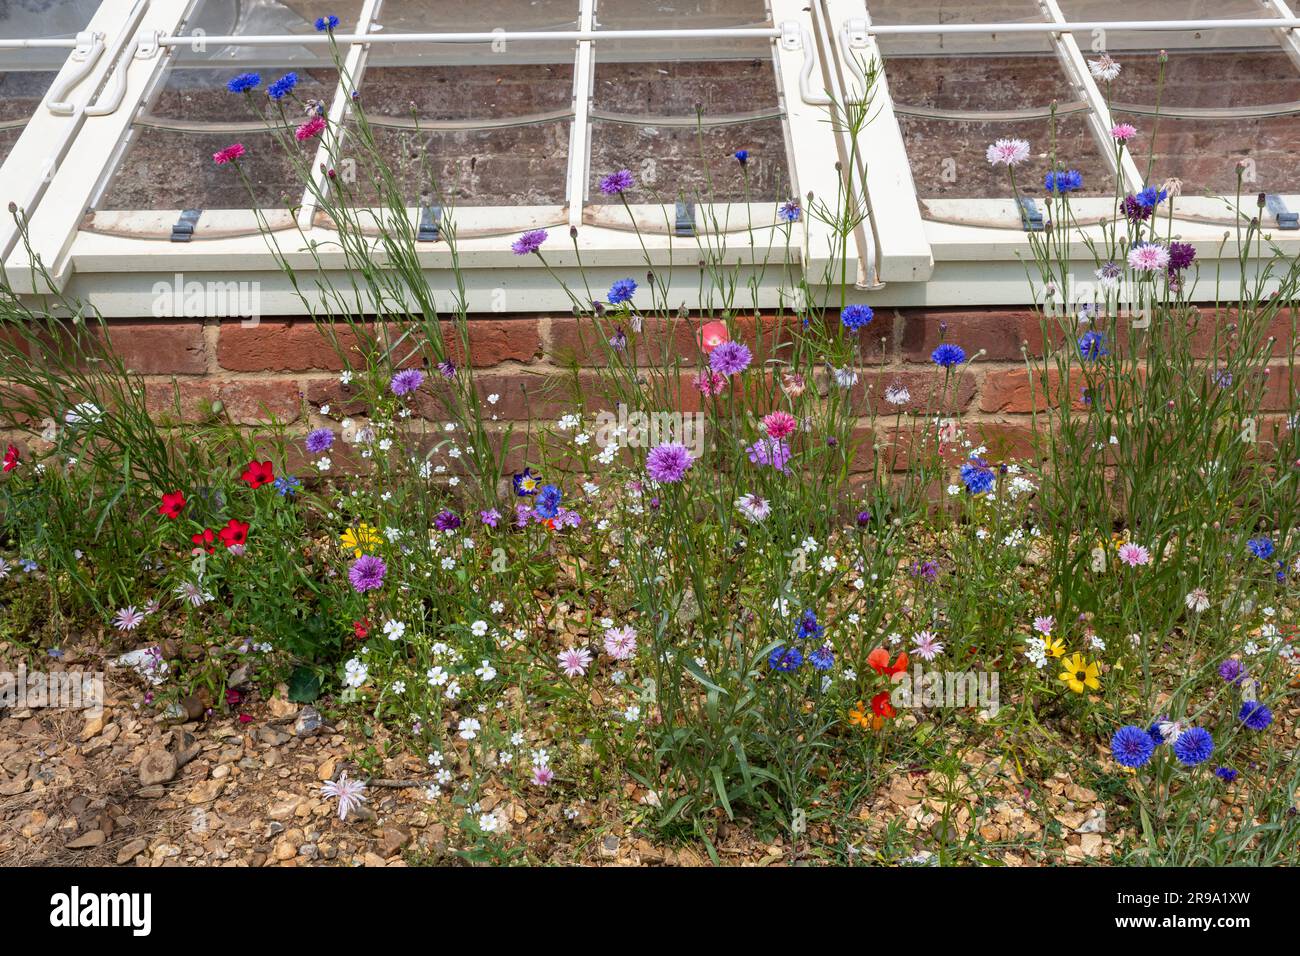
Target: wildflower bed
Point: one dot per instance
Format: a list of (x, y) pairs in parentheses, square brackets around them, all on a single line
[(705, 635)]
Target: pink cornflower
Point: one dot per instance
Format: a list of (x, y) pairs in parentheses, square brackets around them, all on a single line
[(1044, 625), (1134, 554), (543, 775), (229, 154), (928, 646), (1123, 132), (1007, 152), (350, 793), (710, 382), (1149, 257), (620, 642), (779, 424), (574, 661), (310, 128)]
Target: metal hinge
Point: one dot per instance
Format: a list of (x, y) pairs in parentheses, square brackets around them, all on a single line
[(685, 220), (1031, 217), (855, 31), (183, 228), (791, 35), (430, 217), (1286, 219)]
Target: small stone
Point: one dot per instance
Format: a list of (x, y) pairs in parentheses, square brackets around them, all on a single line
[(157, 767), (308, 722), (131, 851), (87, 840), (609, 845), (391, 841), (272, 737), (93, 727)]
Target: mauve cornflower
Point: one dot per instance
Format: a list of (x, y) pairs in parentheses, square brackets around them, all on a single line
[(1132, 746), (1044, 625), (490, 517), (785, 659), (128, 619), (245, 81), (854, 317), (283, 86), (574, 661), (753, 507), (1181, 255), (327, 23), (622, 291), (405, 381), (1123, 132), (925, 570), (228, 155), (1255, 715), (1193, 746), (779, 424), (367, 573), (1067, 181), (1261, 547), (769, 451), (789, 211), (668, 462), (947, 355), (446, 520), (928, 646), (1226, 774), (620, 643), (897, 394), (530, 241), (1134, 554), (349, 793), (309, 129), (1007, 152), (319, 440), (1092, 346), (1231, 671), (447, 369), (730, 358), (1149, 257), (864, 518), (710, 382), (617, 183)]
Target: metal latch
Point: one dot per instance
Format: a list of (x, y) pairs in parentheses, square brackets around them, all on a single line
[(791, 35), (685, 224), (1031, 217), (1286, 219), (856, 31), (183, 228), (430, 216)]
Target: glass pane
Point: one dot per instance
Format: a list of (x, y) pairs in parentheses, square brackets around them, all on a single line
[(443, 16), (1172, 40), (678, 122), (901, 12), (671, 14), (26, 75), (260, 17)]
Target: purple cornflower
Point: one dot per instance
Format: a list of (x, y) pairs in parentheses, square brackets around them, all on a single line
[(447, 369), (926, 570), (1231, 671), (530, 241), (367, 574), (446, 520), (730, 358), (1181, 255), (864, 518), (406, 381), (490, 517), (668, 462), (1226, 774), (617, 183), (1132, 746), (319, 440), (770, 451), (1255, 715)]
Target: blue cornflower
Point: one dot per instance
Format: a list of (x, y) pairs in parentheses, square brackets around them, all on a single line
[(282, 87), (742, 156), (822, 659), (789, 211), (1193, 746), (1226, 774), (1151, 197), (1157, 738), (245, 81), (947, 355), (1092, 346), (1255, 715), (977, 476), (808, 626), (326, 23), (855, 317), (785, 659), (1261, 547), (1132, 746), (621, 291), (287, 485), (1063, 182), (548, 501)]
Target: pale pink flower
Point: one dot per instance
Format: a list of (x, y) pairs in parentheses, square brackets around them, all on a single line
[(928, 646), (350, 793), (1044, 625), (1134, 554), (574, 661), (1123, 132), (710, 382), (1008, 152), (543, 775), (620, 642), (1149, 257)]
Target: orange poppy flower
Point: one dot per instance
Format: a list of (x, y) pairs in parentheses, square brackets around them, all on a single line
[(879, 661)]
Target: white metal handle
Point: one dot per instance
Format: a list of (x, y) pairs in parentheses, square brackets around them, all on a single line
[(112, 95), (89, 48)]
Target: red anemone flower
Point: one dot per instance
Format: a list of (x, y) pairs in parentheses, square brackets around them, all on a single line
[(234, 533), (206, 539), (173, 503), (258, 473), (11, 458)]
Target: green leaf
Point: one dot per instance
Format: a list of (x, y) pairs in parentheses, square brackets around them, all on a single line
[(304, 685)]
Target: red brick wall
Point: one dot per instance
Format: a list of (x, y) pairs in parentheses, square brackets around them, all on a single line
[(284, 366)]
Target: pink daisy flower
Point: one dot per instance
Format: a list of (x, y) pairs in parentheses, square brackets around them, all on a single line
[(620, 642), (543, 775), (229, 154), (1134, 554), (1008, 152), (574, 661), (928, 646), (779, 424), (1044, 625)]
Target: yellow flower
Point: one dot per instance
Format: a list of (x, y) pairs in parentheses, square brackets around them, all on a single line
[(360, 539), (1080, 673), (1054, 646)]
